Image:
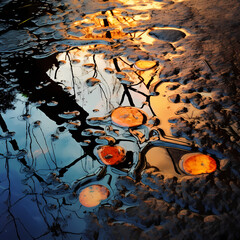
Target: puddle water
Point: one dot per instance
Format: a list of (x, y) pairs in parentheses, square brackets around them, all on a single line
[(65, 72)]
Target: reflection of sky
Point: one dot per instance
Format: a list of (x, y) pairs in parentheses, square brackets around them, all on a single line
[(66, 149), (21, 183), (97, 100), (100, 99)]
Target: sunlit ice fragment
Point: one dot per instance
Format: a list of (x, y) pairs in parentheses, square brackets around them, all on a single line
[(92, 82), (109, 70), (121, 75), (98, 120), (89, 65), (92, 196), (73, 125), (75, 61), (99, 133), (61, 62), (85, 143), (197, 163), (38, 87), (39, 103), (128, 117), (87, 132), (24, 117), (46, 84), (144, 65), (37, 123), (67, 89), (128, 70), (54, 137), (69, 115), (52, 104), (106, 140), (126, 81)]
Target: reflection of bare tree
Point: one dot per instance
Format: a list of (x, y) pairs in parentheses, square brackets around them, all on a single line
[(54, 199), (50, 208), (7, 94)]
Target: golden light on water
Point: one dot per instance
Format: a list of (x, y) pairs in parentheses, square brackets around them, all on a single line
[(92, 196), (145, 65), (142, 4), (128, 117), (93, 26), (197, 163)]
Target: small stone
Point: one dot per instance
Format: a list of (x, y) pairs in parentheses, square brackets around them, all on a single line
[(175, 98), (169, 35), (92, 82), (173, 87), (224, 164), (121, 75), (210, 219), (183, 213), (181, 110), (185, 99), (75, 61), (89, 65), (175, 119), (109, 70)]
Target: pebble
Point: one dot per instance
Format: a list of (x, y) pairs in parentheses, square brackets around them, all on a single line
[(169, 35), (175, 98)]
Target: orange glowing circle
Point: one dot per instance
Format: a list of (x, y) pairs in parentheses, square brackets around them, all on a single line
[(197, 163), (145, 65), (111, 155), (128, 117), (92, 196)]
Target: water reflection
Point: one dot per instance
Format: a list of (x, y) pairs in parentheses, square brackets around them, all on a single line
[(93, 195), (7, 93), (143, 4), (82, 113), (57, 161)]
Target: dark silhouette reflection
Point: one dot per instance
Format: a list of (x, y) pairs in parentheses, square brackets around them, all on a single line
[(45, 179), (7, 94), (62, 115)]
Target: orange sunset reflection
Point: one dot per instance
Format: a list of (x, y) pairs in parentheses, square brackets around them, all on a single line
[(92, 196)]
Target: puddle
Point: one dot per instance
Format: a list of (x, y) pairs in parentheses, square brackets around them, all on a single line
[(83, 103)]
